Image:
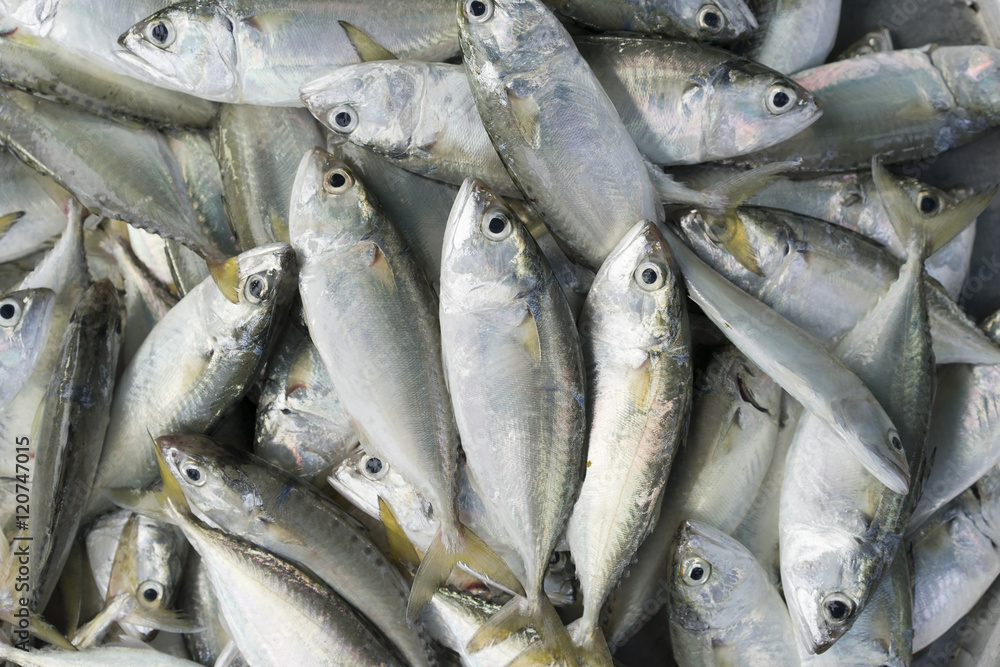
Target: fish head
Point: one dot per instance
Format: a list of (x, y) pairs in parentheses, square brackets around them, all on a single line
[(746, 245), (372, 104), (560, 579), (826, 578), (266, 279), (213, 479), (752, 107), (712, 20), (707, 571), (188, 46), (509, 35), (489, 258), (25, 320), (331, 209), (638, 291)]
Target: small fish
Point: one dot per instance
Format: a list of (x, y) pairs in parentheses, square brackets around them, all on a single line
[(713, 21), (25, 319)]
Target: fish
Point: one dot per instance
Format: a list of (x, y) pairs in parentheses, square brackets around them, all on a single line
[(955, 558), (730, 440), (25, 321), (637, 350), (717, 21), (197, 362), (356, 268), (516, 376), (243, 52), (48, 69), (243, 495), (962, 430), (723, 608), (929, 100), (302, 426), (807, 371), (201, 604), (793, 35), (111, 656), (258, 149), (73, 418), (35, 209)]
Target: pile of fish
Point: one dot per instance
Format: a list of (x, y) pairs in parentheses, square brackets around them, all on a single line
[(499, 332)]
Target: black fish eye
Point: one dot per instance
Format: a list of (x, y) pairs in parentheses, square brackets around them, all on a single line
[(497, 225), (337, 179), (780, 99), (837, 609), (193, 474), (256, 286), (373, 465), (928, 203), (150, 594), (896, 442), (477, 8), (710, 20), (7, 311), (343, 119), (697, 573), (160, 32), (649, 276), (478, 11)]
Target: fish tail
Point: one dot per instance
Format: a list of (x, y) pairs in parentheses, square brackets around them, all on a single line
[(555, 647), (473, 554), (919, 234), (591, 645), (723, 196)]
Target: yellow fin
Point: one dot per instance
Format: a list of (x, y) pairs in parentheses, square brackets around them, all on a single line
[(226, 275), (400, 548), (734, 238), (7, 220), (525, 112), (368, 49), (528, 332), (438, 562), (641, 383)]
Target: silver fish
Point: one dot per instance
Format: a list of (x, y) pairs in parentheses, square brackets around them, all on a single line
[(734, 424), (25, 319), (246, 496), (637, 347), (723, 608), (34, 209), (74, 418), (302, 426), (258, 149), (793, 34), (201, 604), (103, 656), (714, 20), (260, 52), (515, 372), (195, 364), (929, 100)]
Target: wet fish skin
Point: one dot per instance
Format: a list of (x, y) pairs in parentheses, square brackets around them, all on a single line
[(637, 348), (43, 67), (717, 21), (202, 606), (794, 35), (195, 364), (260, 52), (734, 424), (962, 432), (74, 417), (527, 78), (111, 656), (116, 171), (160, 554), (258, 149), (305, 622), (25, 320), (243, 495), (36, 207), (930, 100), (723, 608), (522, 420), (302, 426), (356, 268)]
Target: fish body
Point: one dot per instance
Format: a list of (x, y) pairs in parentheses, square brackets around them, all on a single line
[(723, 21)]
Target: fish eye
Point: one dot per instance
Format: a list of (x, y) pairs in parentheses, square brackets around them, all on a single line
[(337, 181), (928, 202), (780, 98), (865, 50), (710, 19), (150, 592), (837, 608), (496, 225), (193, 472), (696, 571), (161, 33), (648, 276), (894, 440), (557, 559), (373, 467), (10, 312), (344, 119), (257, 288), (478, 11)]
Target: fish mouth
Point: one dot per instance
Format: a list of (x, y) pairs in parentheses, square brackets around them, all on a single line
[(466, 193)]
